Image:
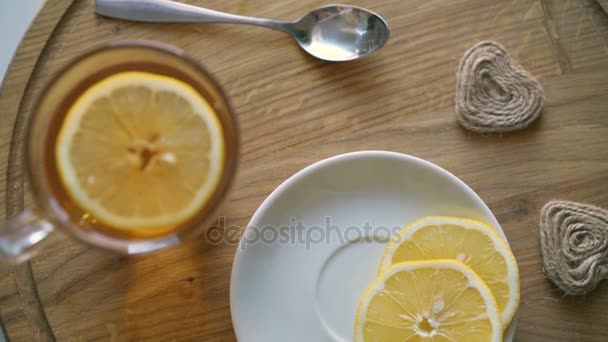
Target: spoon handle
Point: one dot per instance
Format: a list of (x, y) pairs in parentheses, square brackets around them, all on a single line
[(165, 11)]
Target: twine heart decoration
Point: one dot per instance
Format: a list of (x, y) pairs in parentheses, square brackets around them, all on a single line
[(574, 244), (494, 93)]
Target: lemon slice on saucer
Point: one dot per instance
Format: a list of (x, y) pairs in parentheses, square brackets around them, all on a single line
[(474, 243), (439, 300)]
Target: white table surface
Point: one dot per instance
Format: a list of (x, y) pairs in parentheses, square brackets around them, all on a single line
[(15, 17)]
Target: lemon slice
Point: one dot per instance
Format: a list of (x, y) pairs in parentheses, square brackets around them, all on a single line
[(140, 151), (474, 243), (438, 300)]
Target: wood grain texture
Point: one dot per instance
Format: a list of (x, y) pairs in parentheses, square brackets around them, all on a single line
[(24, 286), (295, 110), (604, 4)]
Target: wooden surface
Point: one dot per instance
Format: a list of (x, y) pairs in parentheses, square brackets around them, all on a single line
[(604, 4), (295, 110)]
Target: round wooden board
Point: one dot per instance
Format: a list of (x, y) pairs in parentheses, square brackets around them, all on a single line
[(295, 110)]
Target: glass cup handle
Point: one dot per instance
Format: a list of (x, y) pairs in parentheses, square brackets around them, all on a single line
[(20, 234)]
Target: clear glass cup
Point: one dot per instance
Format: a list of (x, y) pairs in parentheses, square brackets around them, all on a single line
[(20, 234)]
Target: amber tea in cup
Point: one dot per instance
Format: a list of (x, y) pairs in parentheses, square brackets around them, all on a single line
[(131, 147)]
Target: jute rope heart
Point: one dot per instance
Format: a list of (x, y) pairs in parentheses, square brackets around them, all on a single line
[(494, 93), (574, 243)]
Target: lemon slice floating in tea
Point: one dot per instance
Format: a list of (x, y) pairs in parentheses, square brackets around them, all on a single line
[(140, 151), (474, 243), (438, 300)]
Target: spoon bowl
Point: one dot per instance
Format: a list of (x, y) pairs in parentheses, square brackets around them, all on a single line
[(340, 32)]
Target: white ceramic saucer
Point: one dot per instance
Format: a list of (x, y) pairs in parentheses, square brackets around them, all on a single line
[(314, 245)]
